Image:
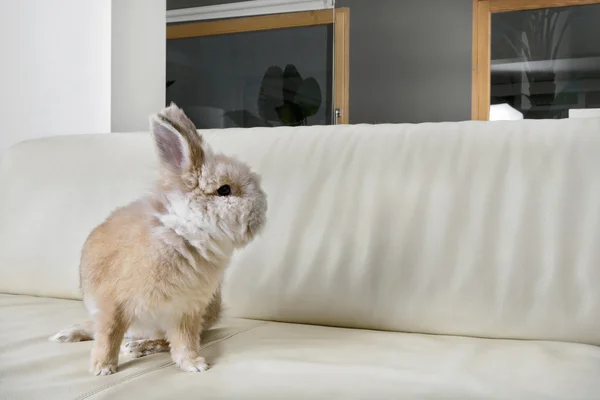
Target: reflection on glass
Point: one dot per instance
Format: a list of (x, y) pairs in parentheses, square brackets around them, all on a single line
[(279, 77), (546, 62)]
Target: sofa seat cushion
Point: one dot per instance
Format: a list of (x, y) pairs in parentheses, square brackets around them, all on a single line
[(32, 367), (292, 361), (270, 360)]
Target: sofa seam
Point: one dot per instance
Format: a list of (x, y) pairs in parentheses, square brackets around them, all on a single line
[(159, 367)]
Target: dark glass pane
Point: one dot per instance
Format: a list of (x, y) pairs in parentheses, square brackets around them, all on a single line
[(546, 62), (266, 78)]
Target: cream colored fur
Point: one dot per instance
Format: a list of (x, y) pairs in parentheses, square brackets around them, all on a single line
[(152, 271)]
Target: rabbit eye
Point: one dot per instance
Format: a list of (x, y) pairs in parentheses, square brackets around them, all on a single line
[(224, 190)]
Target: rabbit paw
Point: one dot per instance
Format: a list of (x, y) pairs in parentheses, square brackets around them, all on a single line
[(144, 347), (102, 368), (197, 364), (72, 334)]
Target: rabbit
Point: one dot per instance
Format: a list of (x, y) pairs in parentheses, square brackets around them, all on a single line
[(153, 269)]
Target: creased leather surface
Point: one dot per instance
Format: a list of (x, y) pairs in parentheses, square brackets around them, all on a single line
[(31, 367), (479, 229), (267, 360)]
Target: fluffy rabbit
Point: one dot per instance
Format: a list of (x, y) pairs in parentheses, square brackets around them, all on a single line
[(153, 268)]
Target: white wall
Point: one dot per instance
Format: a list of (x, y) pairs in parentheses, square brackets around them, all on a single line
[(138, 62), (55, 68), (79, 66)]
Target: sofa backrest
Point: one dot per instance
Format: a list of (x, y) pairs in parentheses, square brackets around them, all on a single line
[(471, 228)]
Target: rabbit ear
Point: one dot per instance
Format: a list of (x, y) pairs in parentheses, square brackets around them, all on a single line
[(173, 150), (179, 146)]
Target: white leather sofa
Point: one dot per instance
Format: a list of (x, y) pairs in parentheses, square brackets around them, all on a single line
[(429, 261)]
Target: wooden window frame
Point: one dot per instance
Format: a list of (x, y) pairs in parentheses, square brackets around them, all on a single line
[(339, 17), (481, 68)]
